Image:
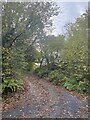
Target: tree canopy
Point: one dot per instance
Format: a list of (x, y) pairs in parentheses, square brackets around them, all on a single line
[(25, 43)]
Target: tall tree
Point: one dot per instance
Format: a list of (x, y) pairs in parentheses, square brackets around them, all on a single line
[(22, 26), (75, 51), (21, 21)]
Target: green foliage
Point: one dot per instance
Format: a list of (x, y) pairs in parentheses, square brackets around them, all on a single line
[(70, 55), (18, 59), (73, 59), (6, 63), (31, 56), (42, 72), (57, 77), (54, 75), (83, 87), (71, 84), (30, 66), (21, 22), (51, 48), (22, 27), (11, 85), (23, 36)]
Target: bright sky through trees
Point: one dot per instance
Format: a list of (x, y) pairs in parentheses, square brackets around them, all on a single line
[(70, 11)]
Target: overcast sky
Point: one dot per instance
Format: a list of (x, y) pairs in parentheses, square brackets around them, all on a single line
[(70, 11)]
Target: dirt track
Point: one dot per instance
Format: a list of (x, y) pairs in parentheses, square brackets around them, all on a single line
[(47, 101)]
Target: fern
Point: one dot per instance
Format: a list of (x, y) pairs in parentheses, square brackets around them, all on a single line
[(12, 85)]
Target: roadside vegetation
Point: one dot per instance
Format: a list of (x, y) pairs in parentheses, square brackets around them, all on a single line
[(26, 47), (66, 57)]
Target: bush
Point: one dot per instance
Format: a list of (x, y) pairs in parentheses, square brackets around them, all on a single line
[(42, 72), (83, 87), (30, 66), (11, 85), (70, 84), (67, 76), (53, 67), (54, 75), (57, 77), (80, 86)]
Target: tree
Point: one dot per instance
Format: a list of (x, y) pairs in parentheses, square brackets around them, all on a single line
[(75, 55), (22, 24), (20, 21), (76, 46), (72, 70), (51, 48)]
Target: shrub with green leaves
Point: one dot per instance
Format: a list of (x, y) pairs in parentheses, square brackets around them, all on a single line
[(83, 87), (70, 84), (80, 86), (42, 72), (11, 85), (57, 77), (54, 75)]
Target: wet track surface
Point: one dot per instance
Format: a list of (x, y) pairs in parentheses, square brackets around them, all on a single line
[(48, 101)]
